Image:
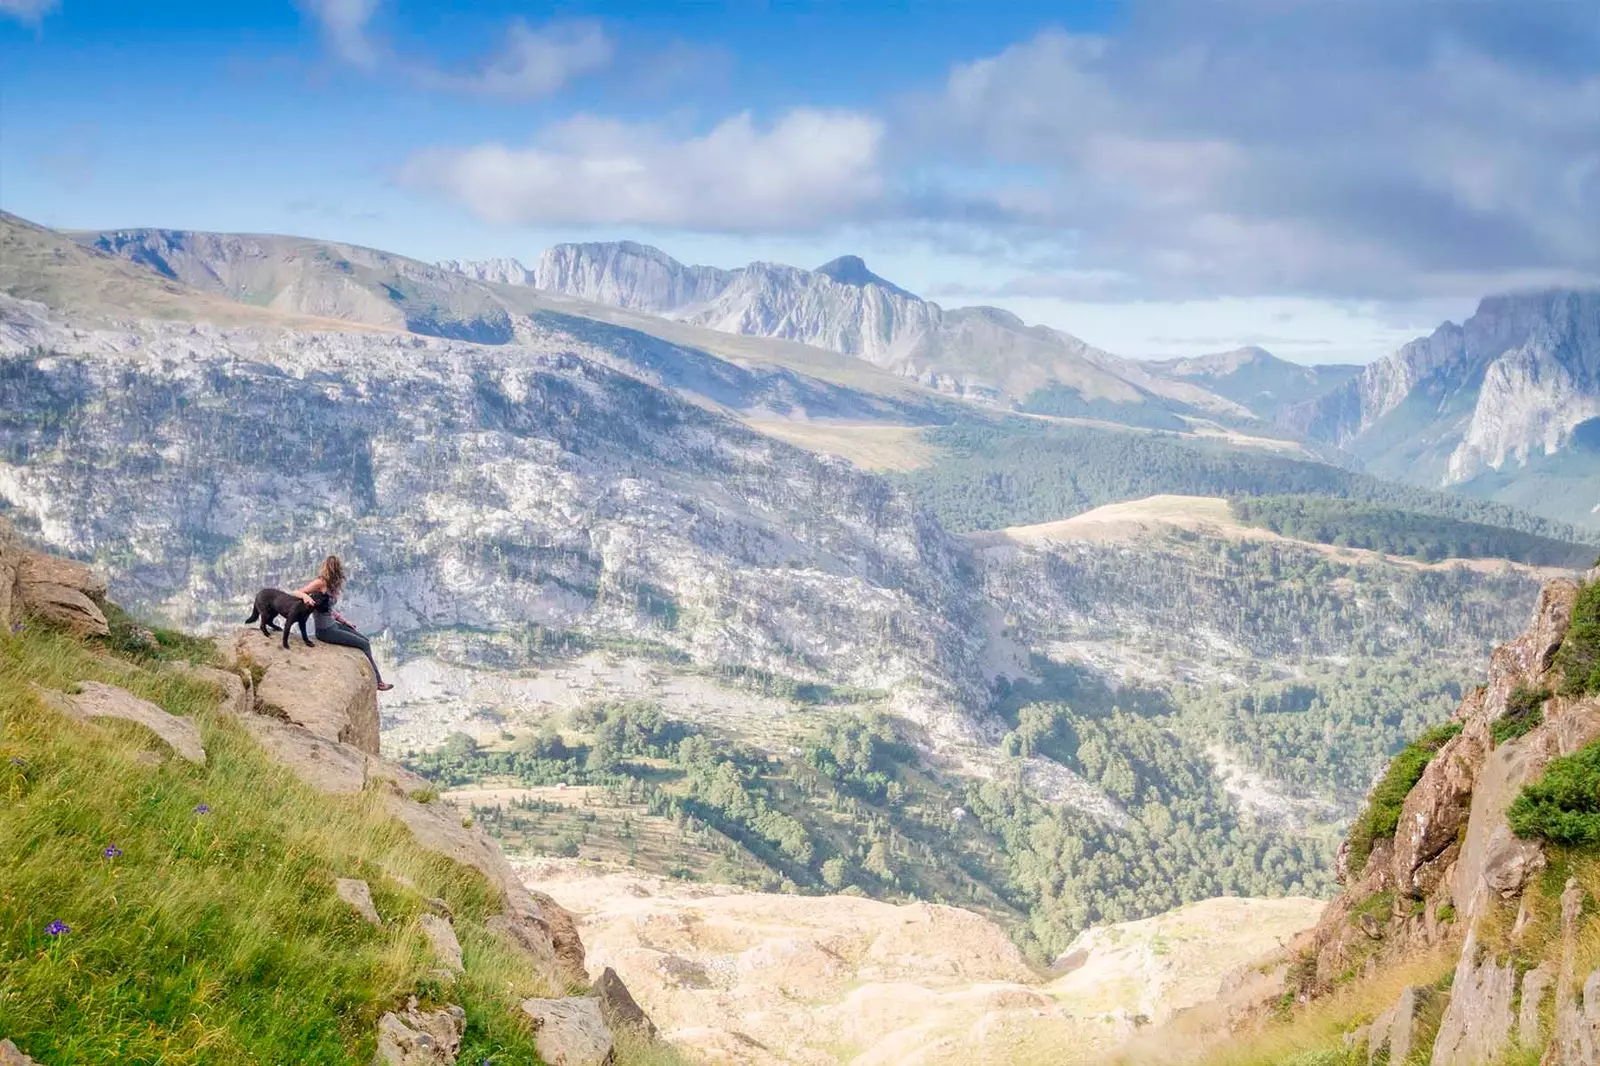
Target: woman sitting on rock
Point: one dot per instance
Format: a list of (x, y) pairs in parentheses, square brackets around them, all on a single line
[(330, 624)]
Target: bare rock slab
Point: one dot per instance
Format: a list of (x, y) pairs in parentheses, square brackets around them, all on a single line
[(61, 592), (420, 1038), (98, 700), (10, 1056), (570, 1032), (358, 895), (442, 935), (327, 689)]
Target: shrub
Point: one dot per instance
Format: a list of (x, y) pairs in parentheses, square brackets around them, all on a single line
[(1563, 806), (1578, 659), (1524, 712), (1382, 813)]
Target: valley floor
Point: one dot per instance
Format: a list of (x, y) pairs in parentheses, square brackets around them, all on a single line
[(762, 979)]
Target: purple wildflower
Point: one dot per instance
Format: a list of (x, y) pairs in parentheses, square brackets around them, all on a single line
[(112, 852), (202, 809), (17, 760), (56, 928), (17, 627)]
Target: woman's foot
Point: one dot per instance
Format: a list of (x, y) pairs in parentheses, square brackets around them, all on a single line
[(384, 686)]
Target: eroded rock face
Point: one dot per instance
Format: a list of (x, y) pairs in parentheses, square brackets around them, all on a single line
[(570, 1032), (1508, 863), (420, 1038), (327, 689), (1536, 986), (1532, 653), (1434, 812)]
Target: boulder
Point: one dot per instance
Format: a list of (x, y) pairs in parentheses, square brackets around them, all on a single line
[(10, 1056), (570, 1032), (1508, 863), (327, 689), (358, 895), (59, 605), (420, 1038), (442, 935), (618, 1007), (41, 568), (59, 591), (97, 700)]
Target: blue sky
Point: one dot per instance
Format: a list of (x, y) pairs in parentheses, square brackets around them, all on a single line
[(1159, 177)]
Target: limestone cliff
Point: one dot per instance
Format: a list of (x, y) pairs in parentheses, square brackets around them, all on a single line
[(1454, 877)]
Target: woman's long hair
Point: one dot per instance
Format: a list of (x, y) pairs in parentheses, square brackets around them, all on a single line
[(332, 575)]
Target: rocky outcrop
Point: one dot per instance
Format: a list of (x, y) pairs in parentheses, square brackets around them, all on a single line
[(97, 700), (328, 690), (59, 592), (1477, 1025), (415, 1037), (618, 1006), (1394, 1033), (570, 1032), (1432, 816), (1536, 986)]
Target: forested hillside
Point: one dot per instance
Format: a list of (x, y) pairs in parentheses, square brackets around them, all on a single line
[(1429, 537), (994, 474)]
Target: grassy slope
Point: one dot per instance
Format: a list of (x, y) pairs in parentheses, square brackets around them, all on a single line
[(213, 937)]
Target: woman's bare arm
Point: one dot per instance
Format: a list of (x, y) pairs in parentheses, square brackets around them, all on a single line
[(316, 585)]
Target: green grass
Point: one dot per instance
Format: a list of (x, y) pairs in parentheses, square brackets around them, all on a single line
[(212, 937), (1381, 815)]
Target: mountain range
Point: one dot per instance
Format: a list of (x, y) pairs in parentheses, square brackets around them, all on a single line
[(1505, 406)]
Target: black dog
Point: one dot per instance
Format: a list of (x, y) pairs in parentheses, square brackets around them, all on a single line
[(270, 603)]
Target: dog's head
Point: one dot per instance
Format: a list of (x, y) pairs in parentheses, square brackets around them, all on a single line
[(320, 602)]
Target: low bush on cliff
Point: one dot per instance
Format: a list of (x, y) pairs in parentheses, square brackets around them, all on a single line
[(1524, 712), (152, 910), (1562, 806), (1578, 659), (1382, 813)]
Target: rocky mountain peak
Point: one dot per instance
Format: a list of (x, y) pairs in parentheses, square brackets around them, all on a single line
[(852, 270)]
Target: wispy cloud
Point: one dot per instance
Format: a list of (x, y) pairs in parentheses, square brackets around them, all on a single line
[(531, 62), (1245, 147), (808, 168), (29, 11)]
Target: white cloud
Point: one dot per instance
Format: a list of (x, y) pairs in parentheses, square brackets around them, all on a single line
[(809, 168), (531, 63), (29, 11)]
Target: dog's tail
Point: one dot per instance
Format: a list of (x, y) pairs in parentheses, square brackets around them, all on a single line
[(255, 615)]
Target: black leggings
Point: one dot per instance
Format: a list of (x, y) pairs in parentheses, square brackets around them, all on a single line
[(344, 636)]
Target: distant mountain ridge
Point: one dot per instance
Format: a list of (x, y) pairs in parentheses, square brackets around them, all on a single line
[(983, 352), (1506, 405)]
